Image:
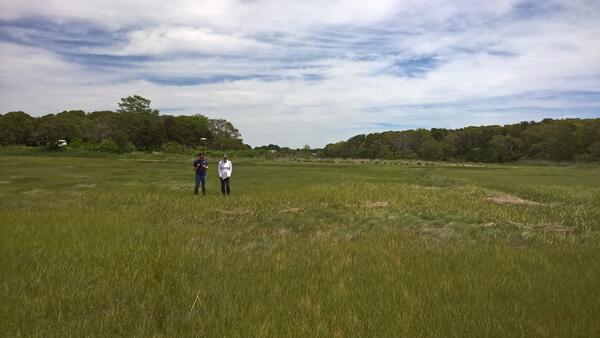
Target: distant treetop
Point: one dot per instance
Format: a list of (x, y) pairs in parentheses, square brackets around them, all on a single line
[(136, 104)]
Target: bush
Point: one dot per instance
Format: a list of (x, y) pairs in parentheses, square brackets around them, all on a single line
[(174, 148), (108, 146), (52, 146), (594, 151), (78, 144), (128, 148)]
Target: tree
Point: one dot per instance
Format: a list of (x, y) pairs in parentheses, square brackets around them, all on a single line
[(134, 125), (77, 123), (121, 139), (334, 149), (270, 147), (551, 140), (587, 134), (136, 104), (145, 131), (594, 151), (187, 130), (50, 128), (224, 135), (101, 126), (431, 150), (556, 140), (438, 134), (505, 148), (15, 128), (562, 145)]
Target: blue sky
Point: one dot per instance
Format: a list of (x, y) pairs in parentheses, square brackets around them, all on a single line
[(307, 72)]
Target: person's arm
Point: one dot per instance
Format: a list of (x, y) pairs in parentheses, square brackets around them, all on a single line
[(230, 168)]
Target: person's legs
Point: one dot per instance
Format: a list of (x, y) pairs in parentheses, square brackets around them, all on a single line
[(227, 180), (222, 186), (198, 178), (203, 180)]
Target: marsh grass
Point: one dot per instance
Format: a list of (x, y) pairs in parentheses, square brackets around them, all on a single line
[(120, 246)]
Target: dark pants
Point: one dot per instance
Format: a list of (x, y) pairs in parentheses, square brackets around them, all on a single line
[(224, 184), (200, 178)]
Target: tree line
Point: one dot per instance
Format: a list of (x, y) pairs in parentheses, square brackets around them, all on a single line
[(134, 126), (553, 140)]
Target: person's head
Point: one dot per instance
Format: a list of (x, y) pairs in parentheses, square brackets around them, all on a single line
[(201, 156), (225, 157)]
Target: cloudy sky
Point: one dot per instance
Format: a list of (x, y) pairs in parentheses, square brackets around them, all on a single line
[(310, 71)]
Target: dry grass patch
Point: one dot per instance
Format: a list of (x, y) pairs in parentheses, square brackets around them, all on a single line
[(175, 185), (510, 199), (234, 212), (552, 228), (282, 231), (376, 205), (293, 210), (36, 192)]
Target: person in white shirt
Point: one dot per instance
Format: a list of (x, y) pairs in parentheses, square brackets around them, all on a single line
[(225, 167)]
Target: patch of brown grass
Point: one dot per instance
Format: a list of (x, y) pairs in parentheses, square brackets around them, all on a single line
[(376, 205), (554, 228), (36, 192), (510, 199), (233, 212), (293, 210), (282, 231)]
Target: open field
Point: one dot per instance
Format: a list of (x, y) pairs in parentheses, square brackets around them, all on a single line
[(116, 246)]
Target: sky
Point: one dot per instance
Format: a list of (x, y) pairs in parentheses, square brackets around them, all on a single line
[(308, 72)]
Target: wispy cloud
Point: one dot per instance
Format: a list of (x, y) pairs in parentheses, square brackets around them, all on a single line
[(299, 72)]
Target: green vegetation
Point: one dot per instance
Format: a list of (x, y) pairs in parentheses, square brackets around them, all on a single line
[(135, 126), (552, 140), (120, 246)]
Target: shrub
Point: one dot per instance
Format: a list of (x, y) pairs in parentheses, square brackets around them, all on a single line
[(108, 146), (174, 148)]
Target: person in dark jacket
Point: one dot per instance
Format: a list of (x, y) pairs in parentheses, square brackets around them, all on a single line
[(200, 166)]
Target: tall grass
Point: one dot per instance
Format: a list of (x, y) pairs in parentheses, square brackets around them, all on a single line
[(121, 247)]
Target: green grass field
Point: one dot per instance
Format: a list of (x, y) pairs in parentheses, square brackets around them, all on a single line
[(118, 246)]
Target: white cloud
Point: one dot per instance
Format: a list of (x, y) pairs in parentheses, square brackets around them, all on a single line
[(240, 14), (172, 40), (316, 72), (258, 15)]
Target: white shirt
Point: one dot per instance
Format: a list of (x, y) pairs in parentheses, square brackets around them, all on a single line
[(225, 168)]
